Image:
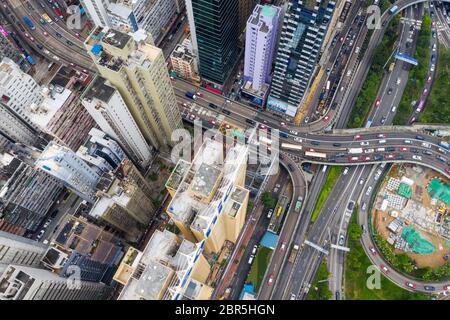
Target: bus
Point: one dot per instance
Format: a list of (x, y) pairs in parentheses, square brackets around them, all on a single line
[(315, 154), (291, 146), (420, 106), (29, 23), (445, 145)]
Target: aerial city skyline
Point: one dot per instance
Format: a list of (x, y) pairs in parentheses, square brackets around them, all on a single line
[(224, 150)]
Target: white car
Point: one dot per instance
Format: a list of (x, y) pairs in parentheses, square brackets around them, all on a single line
[(255, 247), (369, 190), (250, 260), (297, 139), (369, 151), (415, 157), (345, 171), (364, 143), (363, 207), (41, 233), (293, 132)]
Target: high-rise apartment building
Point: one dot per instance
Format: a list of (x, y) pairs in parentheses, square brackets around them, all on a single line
[(214, 26), (97, 11), (19, 250), (85, 247), (106, 106), (16, 129), (18, 90), (304, 28), (26, 193), (123, 202), (169, 268), (153, 16), (260, 43), (137, 69), (209, 201), (63, 164), (27, 283)]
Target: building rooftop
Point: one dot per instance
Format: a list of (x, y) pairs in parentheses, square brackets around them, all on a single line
[(116, 38), (99, 89), (165, 261), (53, 101), (207, 184)]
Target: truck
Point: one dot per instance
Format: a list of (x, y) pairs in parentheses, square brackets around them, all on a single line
[(298, 204), (355, 150), (294, 253), (29, 23), (391, 67), (191, 95)]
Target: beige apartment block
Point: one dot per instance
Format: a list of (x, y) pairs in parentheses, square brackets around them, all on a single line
[(209, 201), (169, 268), (138, 70)]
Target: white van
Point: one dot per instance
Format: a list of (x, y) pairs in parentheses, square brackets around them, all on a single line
[(382, 141)]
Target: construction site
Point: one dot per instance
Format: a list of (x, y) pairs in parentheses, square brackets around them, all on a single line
[(412, 212)]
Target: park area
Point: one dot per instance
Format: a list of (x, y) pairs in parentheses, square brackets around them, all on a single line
[(259, 267)]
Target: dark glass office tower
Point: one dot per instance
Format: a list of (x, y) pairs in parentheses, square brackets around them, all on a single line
[(214, 28), (305, 25)]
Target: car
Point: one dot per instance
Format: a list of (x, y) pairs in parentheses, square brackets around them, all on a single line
[(336, 144), (432, 67), (369, 151), (316, 143), (389, 156), (40, 234), (270, 281), (283, 124), (410, 285), (364, 143), (297, 139), (383, 119), (326, 118), (341, 39), (427, 152), (389, 91), (413, 119), (407, 142), (27, 35), (366, 158), (429, 288), (381, 135), (384, 268), (255, 248), (45, 33), (173, 78), (283, 246), (40, 46), (350, 205), (199, 94), (293, 132), (373, 251), (46, 224), (429, 79), (345, 171), (250, 259), (77, 35), (357, 137), (70, 43), (361, 181), (269, 213), (393, 108), (31, 38), (341, 240), (369, 190), (364, 206), (378, 102), (399, 80), (293, 296), (425, 91), (58, 34), (418, 137), (306, 119), (404, 149)]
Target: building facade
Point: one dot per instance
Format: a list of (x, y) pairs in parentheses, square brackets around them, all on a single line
[(169, 268), (26, 193), (138, 70), (18, 90), (97, 11), (63, 164), (20, 251), (105, 104), (16, 129), (183, 61), (26, 283), (304, 27), (214, 26)]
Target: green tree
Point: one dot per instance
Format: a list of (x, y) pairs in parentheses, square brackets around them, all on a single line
[(354, 231), (268, 200)]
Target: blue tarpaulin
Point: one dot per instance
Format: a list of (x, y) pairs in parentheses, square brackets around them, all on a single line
[(270, 240), (97, 49)]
